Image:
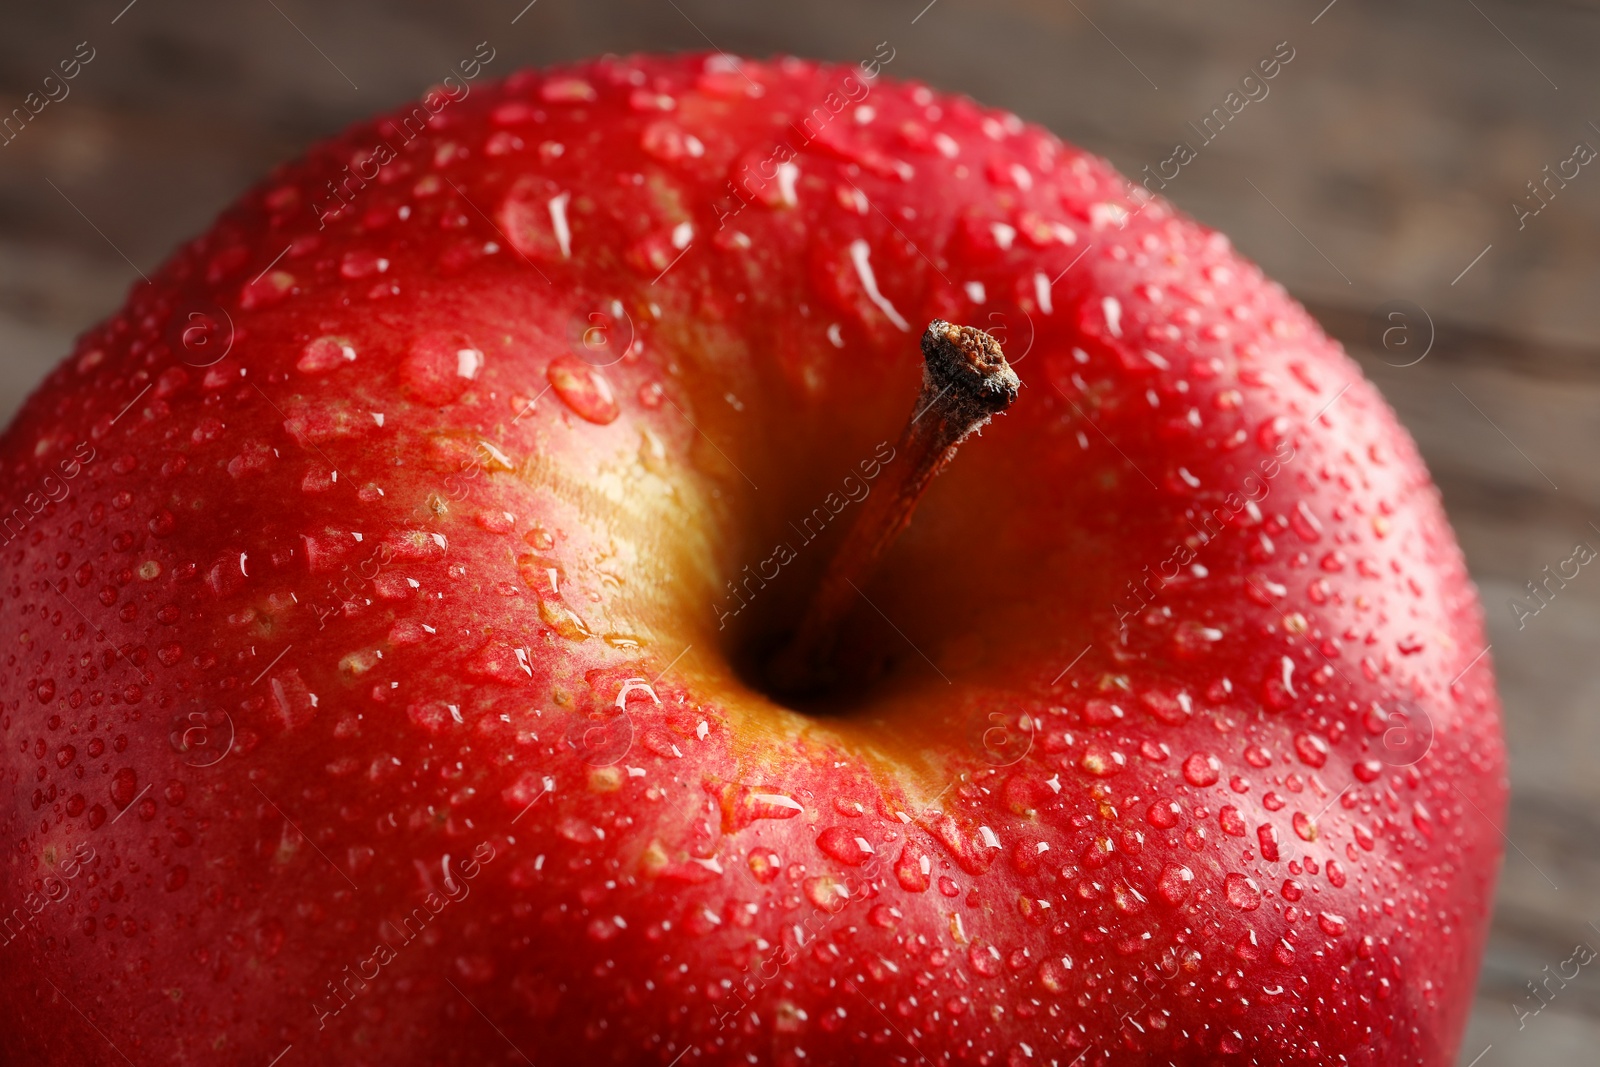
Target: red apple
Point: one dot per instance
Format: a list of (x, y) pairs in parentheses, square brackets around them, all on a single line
[(391, 585)]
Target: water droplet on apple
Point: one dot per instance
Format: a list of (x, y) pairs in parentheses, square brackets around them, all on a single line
[(1242, 892), (124, 787), (1173, 709), (435, 717), (1163, 814), (765, 865), (1247, 948), (499, 662), (266, 290), (1305, 524), (1267, 836), (1336, 875), (1053, 976), (1331, 924), (1126, 899), (744, 804), (1098, 852), (325, 354), (579, 832), (1173, 885), (563, 620), (1312, 750), (1201, 769), (849, 807), (912, 869), (1100, 762), (826, 892), (1422, 820), (439, 367), (584, 389)]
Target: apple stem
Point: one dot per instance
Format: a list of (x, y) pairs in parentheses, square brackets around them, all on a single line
[(966, 381)]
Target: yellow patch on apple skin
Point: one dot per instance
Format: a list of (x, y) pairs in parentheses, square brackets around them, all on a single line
[(611, 485), (358, 663), (653, 860), (605, 780), (788, 1017), (653, 453)]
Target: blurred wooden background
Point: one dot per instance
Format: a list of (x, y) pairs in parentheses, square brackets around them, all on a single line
[(1382, 167)]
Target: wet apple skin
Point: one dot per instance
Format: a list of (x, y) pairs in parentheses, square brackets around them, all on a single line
[(1181, 571)]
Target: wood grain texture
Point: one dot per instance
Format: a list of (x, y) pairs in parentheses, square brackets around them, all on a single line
[(1386, 157)]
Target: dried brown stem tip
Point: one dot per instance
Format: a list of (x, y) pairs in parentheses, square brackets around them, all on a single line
[(966, 381), (966, 363)]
